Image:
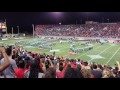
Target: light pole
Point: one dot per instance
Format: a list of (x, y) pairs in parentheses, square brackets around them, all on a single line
[(33, 30), (12, 31), (6, 25), (18, 29)]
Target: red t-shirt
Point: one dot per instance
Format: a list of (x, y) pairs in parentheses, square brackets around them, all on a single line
[(73, 65), (92, 76), (19, 73), (41, 65), (60, 74)]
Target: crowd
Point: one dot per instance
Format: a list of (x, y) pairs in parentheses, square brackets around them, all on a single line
[(103, 30), (16, 62)]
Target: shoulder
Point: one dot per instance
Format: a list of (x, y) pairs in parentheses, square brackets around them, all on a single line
[(12, 61), (26, 74), (2, 60), (40, 75)]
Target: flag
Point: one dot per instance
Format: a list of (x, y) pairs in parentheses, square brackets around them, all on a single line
[(91, 29), (105, 28)]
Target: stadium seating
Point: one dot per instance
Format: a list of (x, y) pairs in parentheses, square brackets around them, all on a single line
[(85, 30)]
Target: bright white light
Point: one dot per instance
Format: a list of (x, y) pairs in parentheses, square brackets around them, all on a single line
[(57, 12), (59, 23), (56, 15)]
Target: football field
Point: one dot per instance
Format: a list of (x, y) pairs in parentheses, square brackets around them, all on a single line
[(104, 54)]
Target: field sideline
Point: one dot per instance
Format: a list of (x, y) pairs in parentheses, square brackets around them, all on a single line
[(103, 54)]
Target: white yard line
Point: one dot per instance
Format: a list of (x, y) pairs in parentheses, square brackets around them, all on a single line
[(100, 53), (113, 56)]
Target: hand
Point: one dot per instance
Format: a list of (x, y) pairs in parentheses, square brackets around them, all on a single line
[(2, 49), (117, 62)]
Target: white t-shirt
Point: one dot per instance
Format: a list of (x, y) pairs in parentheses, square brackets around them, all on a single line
[(9, 71)]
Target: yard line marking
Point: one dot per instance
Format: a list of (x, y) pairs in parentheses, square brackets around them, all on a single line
[(101, 53), (113, 56)]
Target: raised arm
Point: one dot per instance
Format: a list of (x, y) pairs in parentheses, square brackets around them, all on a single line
[(118, 64), (6, 63), (51, 64)]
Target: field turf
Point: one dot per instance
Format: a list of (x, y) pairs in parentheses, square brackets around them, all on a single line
[(104, 54)]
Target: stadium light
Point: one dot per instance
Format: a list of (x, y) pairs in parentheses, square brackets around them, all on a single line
[(57, 16), (57, 12), (60, 23)]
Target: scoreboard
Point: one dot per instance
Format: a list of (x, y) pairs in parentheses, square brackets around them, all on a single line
[(0, 26), (3, 27)]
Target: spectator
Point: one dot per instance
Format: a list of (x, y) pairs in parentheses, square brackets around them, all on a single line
[(19, 72), (50, 73), (59, 73), (6, 60), (95, 72), (9, 72), (35, 70), (106, 74), (72, 73)]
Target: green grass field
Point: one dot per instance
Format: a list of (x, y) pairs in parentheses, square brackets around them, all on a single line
[(103, 54)]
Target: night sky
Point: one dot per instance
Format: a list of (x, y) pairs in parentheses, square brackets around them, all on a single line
[(25, 19)]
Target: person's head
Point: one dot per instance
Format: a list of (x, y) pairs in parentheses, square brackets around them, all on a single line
[(38, 59), (78, 60), (106, 73), (100, 66), (61, 63), (85, 63), (116, 68), (21, 64), (50, 73), (29, 53), (60, 67), (27, 62), (47, 64), (9, 50), (33, 55), (67, 60), (34, 69), (94, 66), (86, 73), (115, 71), (72, 73), (79, 67)]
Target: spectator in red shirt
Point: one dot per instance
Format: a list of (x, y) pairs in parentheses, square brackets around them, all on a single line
[(59, 73), (19, 72)]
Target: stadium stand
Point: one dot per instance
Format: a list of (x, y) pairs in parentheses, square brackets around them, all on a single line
[(35, 65), (85, 30)]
